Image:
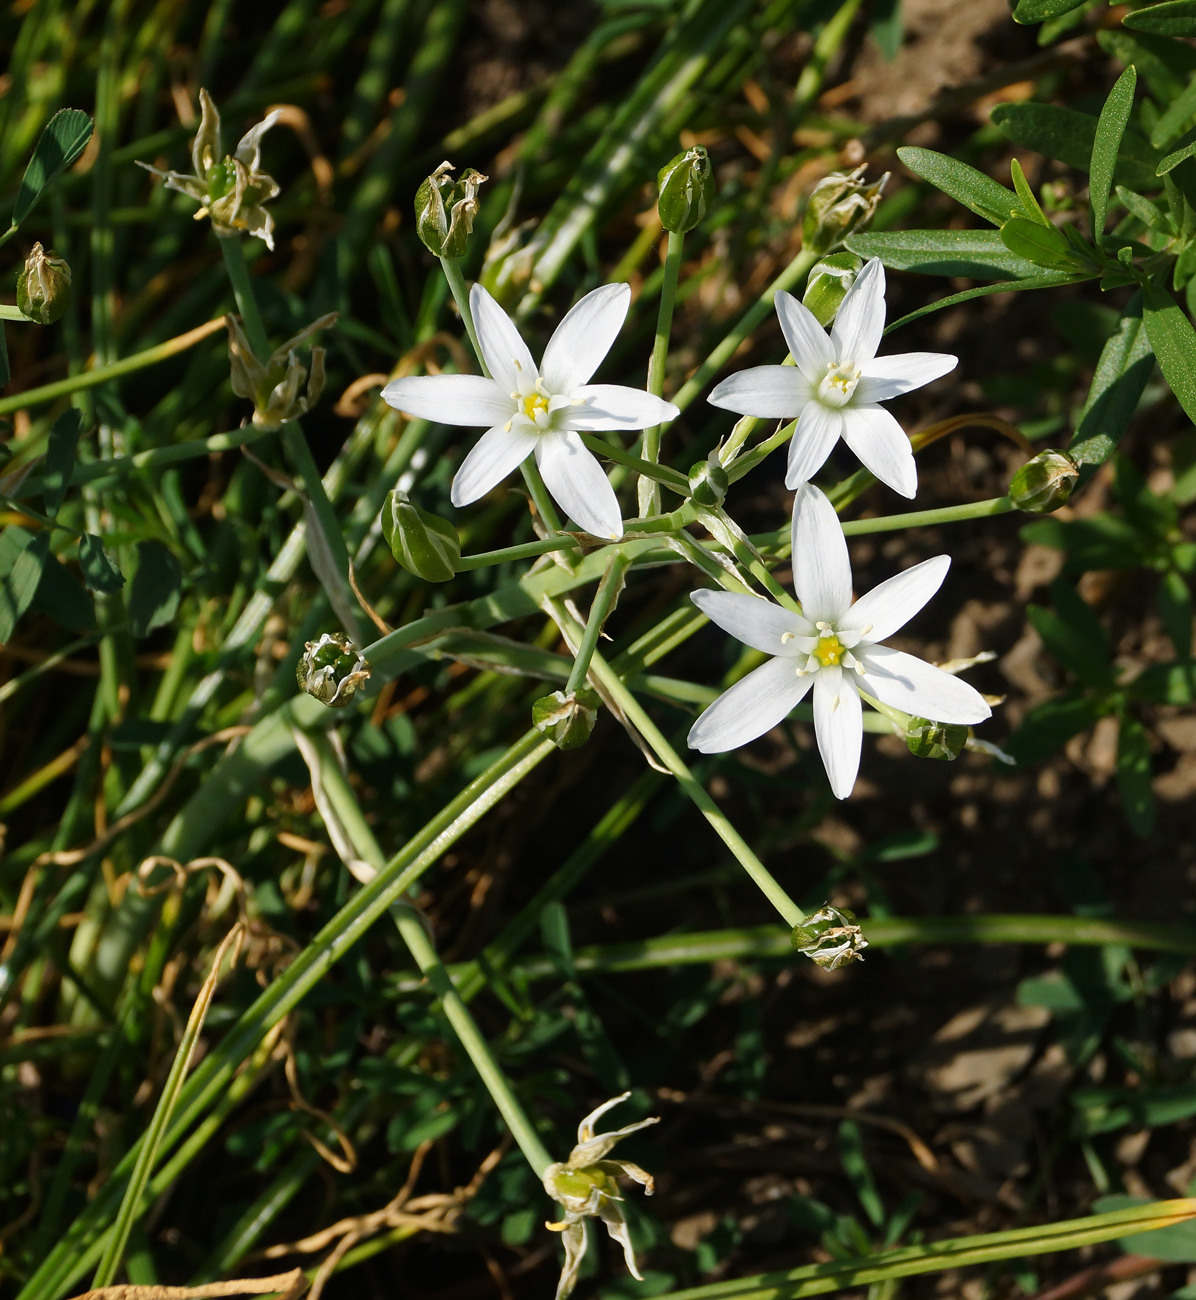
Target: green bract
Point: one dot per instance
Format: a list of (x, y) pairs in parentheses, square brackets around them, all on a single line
[(567, 720), (941, 740), (828, 284)]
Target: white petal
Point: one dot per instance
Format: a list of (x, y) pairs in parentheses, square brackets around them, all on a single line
[(860, 322), (821, 569), (249, 149), (908, 683), (769, 392), (578, 485), (880, 443), (614, 406), (503, 349), (809, 343), (885, 377), (892, 603), (756, 622), (838, 724), (450, 399), (818, 429), (495, 454), (584, 337), (750, 708)]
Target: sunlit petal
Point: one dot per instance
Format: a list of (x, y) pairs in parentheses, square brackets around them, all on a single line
[(503, 349), (578, 485), (614, 406), (584, 338), (495, 454), (450, 399), (860, 322), (892, 603), (809, 343), (769, 392), (818, 429), (821, 569), (750, 708), (908, 683), (752, 620), (839, 727), (885, 377), (881, 445)]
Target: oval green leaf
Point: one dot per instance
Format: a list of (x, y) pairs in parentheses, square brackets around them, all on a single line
[(1174, 18), (1110, 129), (1038, 11), (62, 141), (986, 198)]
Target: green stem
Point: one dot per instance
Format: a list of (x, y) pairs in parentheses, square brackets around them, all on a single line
[(648, 492), (14, 313), (456, 283), (613, 684), (604, 598), (826, 46), (102, 374), (238, 274), (526, 551), (540, 498), (646, 469), (411, 928)]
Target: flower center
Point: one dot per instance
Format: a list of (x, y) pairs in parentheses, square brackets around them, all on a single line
[(839, 383), (829, 650), (533, 404)]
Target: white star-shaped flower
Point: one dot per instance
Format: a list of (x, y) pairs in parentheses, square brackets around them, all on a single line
[(832, 646), (538, 410), (836, 384)]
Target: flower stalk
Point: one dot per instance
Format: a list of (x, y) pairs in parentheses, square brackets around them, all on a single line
[(647, 491)]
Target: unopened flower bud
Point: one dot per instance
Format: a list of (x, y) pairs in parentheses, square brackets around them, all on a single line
[(445, 210), (44, 286), (1044, 483), (828, 284), (942, 740), (830, 938), (566, 720), (708, 482), (332, 669), (686, 188), (423, 543), (839, 205)]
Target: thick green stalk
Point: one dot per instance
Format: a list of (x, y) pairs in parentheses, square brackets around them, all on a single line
[(648, 494), (545, 507), (460, 292)]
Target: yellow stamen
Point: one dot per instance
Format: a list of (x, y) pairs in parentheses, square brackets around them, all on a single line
[(534, 403)]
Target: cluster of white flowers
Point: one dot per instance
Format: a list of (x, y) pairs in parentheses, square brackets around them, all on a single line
[(833, 390)]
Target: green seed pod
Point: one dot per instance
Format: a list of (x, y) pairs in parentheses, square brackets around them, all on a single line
[(423, 543), (566, 720), (942, 740), (839, 205), (828, 284), (686, 188), (445, 210), (44, 286), (708, 482), (1044, 483), (830, 938), (332, 669)]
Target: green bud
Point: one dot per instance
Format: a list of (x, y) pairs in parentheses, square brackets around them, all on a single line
[(423, 543), (708, 482), (566, 720), (44, 286), (686, 188), (830, 938), (1044, 483), (445, 210), (828, 284), (332, 669), (942, 740), (839, 205)]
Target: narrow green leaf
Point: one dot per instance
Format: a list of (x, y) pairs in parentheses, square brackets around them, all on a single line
[(1174, 602), (1150, 214), (1037, 11), (62, 141), (978, 254), (1185, 148), (858, 1171), (1026, 194), (1177, 117), (99, 572), (24, 574), (986, 198), (1110, 128), (1173, 341), (1176, 1244), (60, 458), (1043, 280), (1173, 18), (155, 590), (1043, 246), (1133, 776), (1073, 635), (1068, 135), (1125, 365)]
